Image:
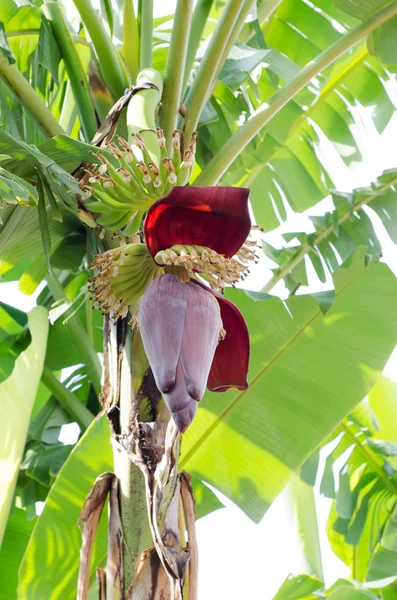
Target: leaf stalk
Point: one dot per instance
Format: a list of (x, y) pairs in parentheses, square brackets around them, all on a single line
[(108, 57), (202, 82), (81, 338), (77, 76), (146, 35), (199, 20), (67, 399), (29, 98), (175, 67)]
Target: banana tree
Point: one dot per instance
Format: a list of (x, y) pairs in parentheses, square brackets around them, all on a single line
[(143, 160)]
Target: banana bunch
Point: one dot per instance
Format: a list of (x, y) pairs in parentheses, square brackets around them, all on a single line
[(123, 275), (127, 181), (134, 173)]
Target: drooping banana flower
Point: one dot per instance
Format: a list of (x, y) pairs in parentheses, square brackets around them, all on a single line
[(195, 338)]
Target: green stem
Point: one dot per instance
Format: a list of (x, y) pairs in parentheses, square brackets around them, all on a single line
[(369, 458), (74, 68), (265, 11), (68, 114), (80, 336), (354, 563), (92, 249), (201, 86), (108, 57), (29, 98), (146, 35), (130, 49), (17, 33), (67, 399), (199, 20), (175, 67), (261, 117), (232, 38), (239, 24), (132, 491), (88, 320), (77, 39), (306, 248)]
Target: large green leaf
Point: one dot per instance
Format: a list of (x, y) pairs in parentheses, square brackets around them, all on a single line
[(285, 168), (56, 538), (347, 227), (302, 510), (383, 400), (348, 593), (15, 540), (307, 373), (18, 393), (361, 9), (301, 587), (360, 526), (383, 563), (20, 237)]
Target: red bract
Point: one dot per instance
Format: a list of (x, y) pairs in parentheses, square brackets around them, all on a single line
[(230, 364), (180, 325), (215, 217)]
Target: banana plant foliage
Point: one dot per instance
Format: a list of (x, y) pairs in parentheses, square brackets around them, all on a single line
[(111, 112)]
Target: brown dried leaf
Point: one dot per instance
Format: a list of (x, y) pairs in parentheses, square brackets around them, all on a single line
[(189, 509), (101, 579), (151, 582), (114, 565), (89, 520), (106, 131)]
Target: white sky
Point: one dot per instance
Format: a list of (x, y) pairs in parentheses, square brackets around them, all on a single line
[(239, 559)]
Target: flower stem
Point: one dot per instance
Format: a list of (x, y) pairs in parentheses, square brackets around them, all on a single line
[(67, 399), (77, 76), (199, 20), (80, 336), (146, 34), (261, 117), (306, 248), (108, 57), (29, 98), (175, 67), (201, 86)]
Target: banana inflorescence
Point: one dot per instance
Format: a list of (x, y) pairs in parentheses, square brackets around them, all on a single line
[(220, 271), (123, 275)]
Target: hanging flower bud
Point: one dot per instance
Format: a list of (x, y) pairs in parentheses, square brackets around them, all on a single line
[(180, 325)]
